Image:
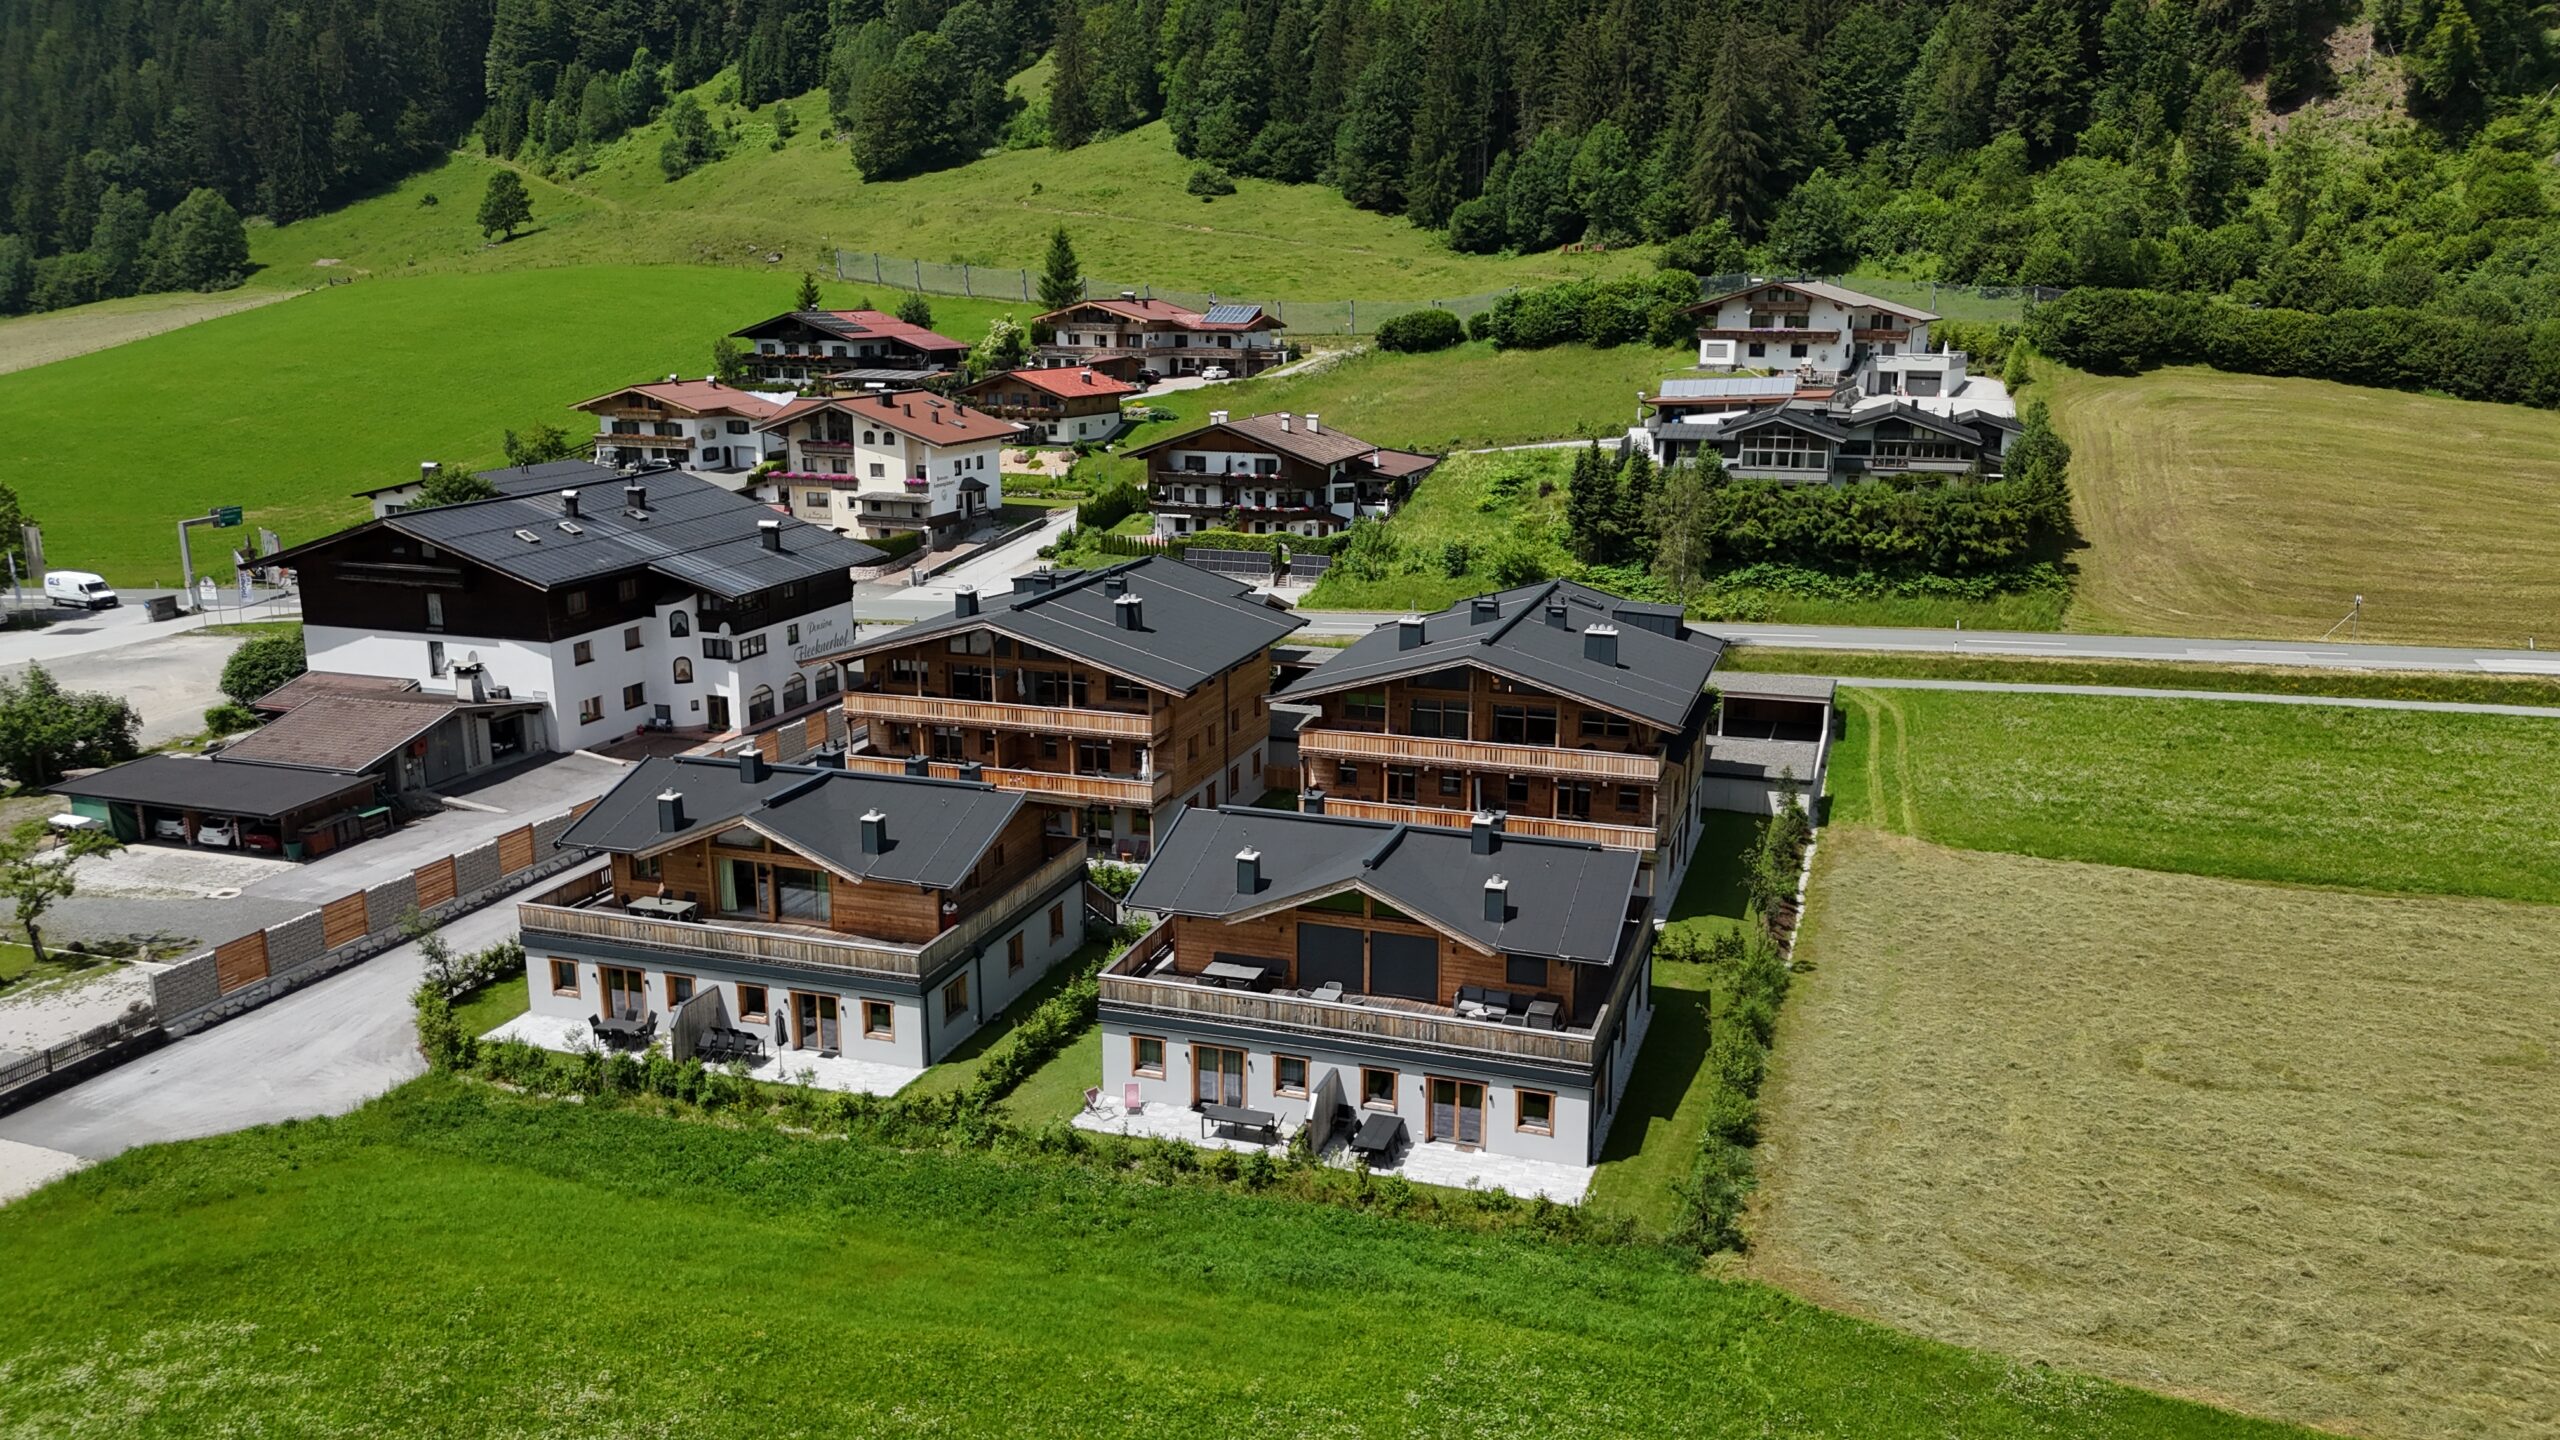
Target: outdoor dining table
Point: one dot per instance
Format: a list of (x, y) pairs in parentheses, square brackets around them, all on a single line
[(1227, 972), (663, 908), (1241, 1118), (1378, 1134)]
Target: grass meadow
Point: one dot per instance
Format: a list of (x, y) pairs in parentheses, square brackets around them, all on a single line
[(481, 1263), (2401, 800), (2285, 1149), (2219, 504), (2457, 687)]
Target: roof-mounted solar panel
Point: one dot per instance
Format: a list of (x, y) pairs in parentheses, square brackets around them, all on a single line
[(1232, 314)]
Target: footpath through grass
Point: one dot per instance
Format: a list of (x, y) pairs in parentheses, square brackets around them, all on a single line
[(2419, 801), (2292, 1149), (2454, 687), (346, 1277)]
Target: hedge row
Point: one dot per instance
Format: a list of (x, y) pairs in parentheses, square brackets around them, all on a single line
[(1639, 309), (2128, 331)]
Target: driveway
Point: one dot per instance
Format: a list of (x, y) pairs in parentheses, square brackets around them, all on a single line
[(171, 676), (322, 1050)]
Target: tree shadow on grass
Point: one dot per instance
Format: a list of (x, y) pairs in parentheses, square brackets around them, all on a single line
[(1675, 1048)]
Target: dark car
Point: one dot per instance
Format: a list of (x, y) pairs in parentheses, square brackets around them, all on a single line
[(1150, 377)]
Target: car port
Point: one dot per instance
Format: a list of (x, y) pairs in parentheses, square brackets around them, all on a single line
[(229, 804)]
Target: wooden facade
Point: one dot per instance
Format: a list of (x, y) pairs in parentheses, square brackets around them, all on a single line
[(1273, 941)]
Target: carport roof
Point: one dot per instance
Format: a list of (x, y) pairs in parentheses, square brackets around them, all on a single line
[(215, 786)]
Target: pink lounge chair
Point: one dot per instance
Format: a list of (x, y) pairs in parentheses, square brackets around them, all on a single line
[(1092, 1098), (1129, 1100)]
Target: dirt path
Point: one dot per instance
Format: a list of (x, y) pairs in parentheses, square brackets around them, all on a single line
[(34, 340)]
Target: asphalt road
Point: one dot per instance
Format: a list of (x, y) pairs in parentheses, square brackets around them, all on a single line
[(322, 1050)]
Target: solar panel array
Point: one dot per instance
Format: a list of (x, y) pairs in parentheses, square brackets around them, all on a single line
[(1231, 314)]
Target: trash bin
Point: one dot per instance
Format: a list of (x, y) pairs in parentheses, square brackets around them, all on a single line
[(161, 607), (293, 849)]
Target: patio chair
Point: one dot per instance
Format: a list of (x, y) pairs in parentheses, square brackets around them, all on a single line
[(595, 1026), (1092, 1099), (1130, 1101)]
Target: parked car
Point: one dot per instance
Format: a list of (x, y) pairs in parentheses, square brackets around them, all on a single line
[(80, 588), (1214, 372), (218, 832), (1150, 377), (262, 842), (169, 827)]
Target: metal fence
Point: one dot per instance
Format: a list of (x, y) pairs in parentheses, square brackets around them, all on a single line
[(1360, 317)]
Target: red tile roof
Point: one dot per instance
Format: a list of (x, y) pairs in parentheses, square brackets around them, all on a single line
[(1065, 381), (890, 327), (701, 397), (920, 413)]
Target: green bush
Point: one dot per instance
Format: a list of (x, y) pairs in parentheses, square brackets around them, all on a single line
[(1420, 331), (1594, 312), (262, 663), (1209, 182), (229, 719), (904, 542)]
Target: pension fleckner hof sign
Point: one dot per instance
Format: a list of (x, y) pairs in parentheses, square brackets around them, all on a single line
[(823, 635)]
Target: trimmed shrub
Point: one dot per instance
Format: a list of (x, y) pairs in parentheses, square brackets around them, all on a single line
[(1421, 331)]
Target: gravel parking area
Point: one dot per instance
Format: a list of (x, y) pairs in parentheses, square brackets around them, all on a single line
[(34, 1017)]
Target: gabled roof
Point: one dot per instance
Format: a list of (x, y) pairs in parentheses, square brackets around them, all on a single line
[(1534, 634), (1283, 433), (857, 325), (1819, 289), (349, 732), (919, 413), (1165, 312), (1566, 900), (1064, 381), (1791, 415), (1196, 625), (937, 829), (552, 474), (218, 786), (692, 532), (696, 397), (1870, 416)]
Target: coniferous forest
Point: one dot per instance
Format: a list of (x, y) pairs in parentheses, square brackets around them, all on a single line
[(2120, 143)]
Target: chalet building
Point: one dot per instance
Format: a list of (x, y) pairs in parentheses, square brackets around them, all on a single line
[(891, 461), (1112, 697), (698, 425), (872, 919), (664, 602), (1279, 474), (1464, 987), (1160, 336), (1903, 414), (846, 348), (1064, 406), (1803, 326)]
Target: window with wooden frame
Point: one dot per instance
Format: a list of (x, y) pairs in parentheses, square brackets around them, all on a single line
[(679, 989), (1289, 1076), (648, 867), (1146, 1056), (591, 710), (1536, 1111), (1013, 954), (1057, 922), (1365, 705), (564, 977), (1524, 972), (582, 653), (955, 998), (1377, 1089), (630, 637), (753, 1003)]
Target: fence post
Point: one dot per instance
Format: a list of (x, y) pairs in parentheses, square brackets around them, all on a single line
[(875, 267), (919, 275), (1025, 277), (964, 281), (1351, 326)]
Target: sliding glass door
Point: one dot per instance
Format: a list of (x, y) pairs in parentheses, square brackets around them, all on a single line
[(1217, 1075), (1457, 1111)]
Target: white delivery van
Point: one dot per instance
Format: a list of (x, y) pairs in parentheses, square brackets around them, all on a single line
[(78, 587)]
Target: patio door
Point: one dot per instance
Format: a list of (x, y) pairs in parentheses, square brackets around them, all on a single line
[(625, 993), (1457, 1111), (817, 1017), (1217, 1075)]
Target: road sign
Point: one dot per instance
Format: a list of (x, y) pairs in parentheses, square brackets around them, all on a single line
[(225, 516), (34, 538)]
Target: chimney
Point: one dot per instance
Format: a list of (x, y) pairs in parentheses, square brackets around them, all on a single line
[(670, 811), (827, 759), (1248, 871), (751, 768), (770, 532), (1284, 422), (1556, 615), (1130, 611), (1497, 900), (1039, 582), (636, 496), (1312, 427), (971, 771), (1088, 374), (1409, 633), (875, 833), (1600, 645), (569, 503), (1217, 417), (919, 765), (1115, 585), (1311, 802), (1484, 833), (1483, 608), (1128, 294), (428, 470), (964, 601)]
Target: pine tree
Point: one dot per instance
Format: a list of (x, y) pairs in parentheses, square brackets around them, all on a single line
[(205, 246), (1630, 511), (121, 240), (1682, 522), (1590, 500), (2448, 75), (505, 205), (2038, 463), (916, 310), (1061, 276), (2043, 89), (2212, 148), (808, 297), (1071, 117)]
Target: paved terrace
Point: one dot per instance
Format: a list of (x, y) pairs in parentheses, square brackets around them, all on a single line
[(793, 1067), (1426, 1163)]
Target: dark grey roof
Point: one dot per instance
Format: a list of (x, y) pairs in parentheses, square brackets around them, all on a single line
[(1195, 625), (937, 829), (1766, 685), (1567, 900), (1756, 759), (554, 473), (1914, 415), (219, 787), (1810, 420), (1658, 679), (693, 532)]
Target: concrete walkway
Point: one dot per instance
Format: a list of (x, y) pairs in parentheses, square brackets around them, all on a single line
[(322, 1050), (2252, 697)]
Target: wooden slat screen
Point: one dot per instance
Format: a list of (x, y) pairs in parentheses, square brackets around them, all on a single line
[(342, 920), (435, 882), (240, 962), (515, 851)]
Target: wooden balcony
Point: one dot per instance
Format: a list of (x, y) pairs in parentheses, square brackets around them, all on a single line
[(663, 442), (582, 910), (1140, 794), (1614, 765), (994, 715), (1410, 1025), (1590, 832), (1785, 333), (1873, 334)]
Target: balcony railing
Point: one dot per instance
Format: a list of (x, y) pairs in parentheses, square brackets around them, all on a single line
[(1436, 1030), (580, 910), (675, 442), (1590, 832), (1480, 755), (995, 715), (830, 443), (1143, 792)]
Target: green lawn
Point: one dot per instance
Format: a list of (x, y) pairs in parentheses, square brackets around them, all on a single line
[(2401, 800), (1711, 899), (352, 387), (2150, 674), (492, 1005), (960, 1067), (18, 964), (1477, 501), (1055, 1091), (510, 1265)]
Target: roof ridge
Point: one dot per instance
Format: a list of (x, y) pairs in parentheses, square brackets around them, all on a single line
[(1083, 579), (1535, 603), (1378, 854)]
